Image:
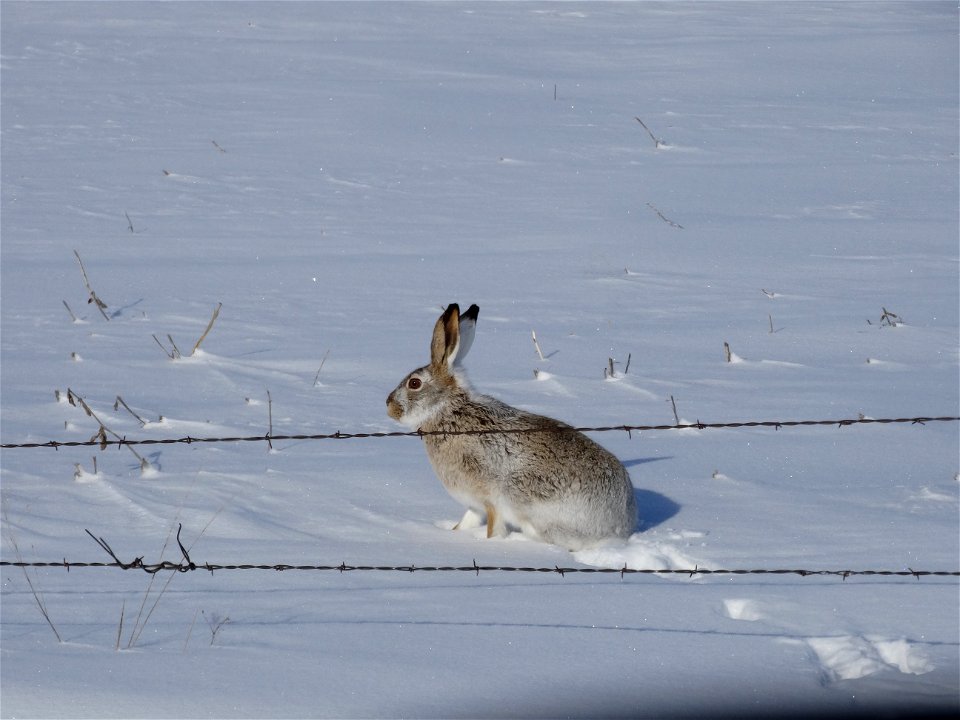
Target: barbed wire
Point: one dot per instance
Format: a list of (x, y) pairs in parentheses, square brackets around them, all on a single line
[(188, 565), (102, 442), (153, 568)]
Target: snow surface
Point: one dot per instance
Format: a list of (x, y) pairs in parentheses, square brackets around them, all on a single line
[(336, 173)]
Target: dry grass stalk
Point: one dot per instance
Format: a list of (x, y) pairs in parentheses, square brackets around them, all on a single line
[(536, 345), (172, 354), (72, 316), (116, 406), (215, 623), (101, 306), (101, 434), (316, 378), (657, 142), (213, 319), (270, 421), (37, 596), (663, 217), (123, 607), (190, 629)]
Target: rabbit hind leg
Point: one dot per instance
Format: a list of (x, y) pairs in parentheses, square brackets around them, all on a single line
[(495, 522)]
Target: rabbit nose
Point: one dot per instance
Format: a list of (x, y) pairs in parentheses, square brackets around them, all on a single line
[(393, 408)]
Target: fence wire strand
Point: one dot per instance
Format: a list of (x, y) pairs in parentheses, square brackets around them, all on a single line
[(188, 565), (104, 443), (185, 567)]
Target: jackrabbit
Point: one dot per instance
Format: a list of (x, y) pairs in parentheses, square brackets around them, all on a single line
[(519, 469)]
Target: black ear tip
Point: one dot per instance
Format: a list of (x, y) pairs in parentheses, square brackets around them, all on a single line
[(471, 313), (452, 309)]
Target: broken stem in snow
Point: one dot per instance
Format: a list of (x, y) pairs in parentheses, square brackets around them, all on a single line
[(658, 143), (101, 434), (663, 217), (116, 406), (270, 420), (72, 316), (536, 345), (101, 306)]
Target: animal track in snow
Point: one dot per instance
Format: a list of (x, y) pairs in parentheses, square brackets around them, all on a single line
[(740, 609), (850, 657), (843, 657)]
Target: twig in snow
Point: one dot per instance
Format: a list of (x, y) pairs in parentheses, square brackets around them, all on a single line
[(676, 417), (608, 372), (728, 354), (101, 306), (270, 420), (626, 368), (536, 345), (209, 326), (663, 217), (72, 316), (116, 406), (890, 319), (123, 607), (217, 146), (101, 434), (658, 143), (190, 629), (172, 354), (322, 361), (215, 623)]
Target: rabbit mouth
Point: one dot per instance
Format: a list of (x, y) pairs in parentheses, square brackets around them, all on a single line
[(412, 417)]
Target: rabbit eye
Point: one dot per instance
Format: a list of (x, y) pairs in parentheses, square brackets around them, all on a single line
[(414, 383)]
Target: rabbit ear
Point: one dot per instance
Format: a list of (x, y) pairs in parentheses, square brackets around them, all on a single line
[(468, 326), (446, 339)]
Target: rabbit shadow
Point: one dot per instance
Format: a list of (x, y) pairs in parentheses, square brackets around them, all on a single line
[(654, 509)]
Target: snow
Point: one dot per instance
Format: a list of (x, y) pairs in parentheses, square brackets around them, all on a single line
[(335, 174)]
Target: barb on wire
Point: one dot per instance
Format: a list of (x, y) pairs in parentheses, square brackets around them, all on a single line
[(103, 442)]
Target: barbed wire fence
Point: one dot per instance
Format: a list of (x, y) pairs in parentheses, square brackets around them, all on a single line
[(103, 442), (188, 565)]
